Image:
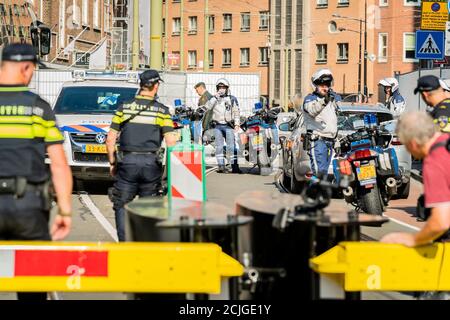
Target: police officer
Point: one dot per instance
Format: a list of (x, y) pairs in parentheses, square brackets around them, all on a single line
[(28, 131), (394, 100), (319, 111), (140, 125), (226, 121), (202, 124), (433, 93)]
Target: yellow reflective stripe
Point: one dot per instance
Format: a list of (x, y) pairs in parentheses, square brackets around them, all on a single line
[(22, 131), (164, 122), (53, 135), (117, 119), (27, 120)]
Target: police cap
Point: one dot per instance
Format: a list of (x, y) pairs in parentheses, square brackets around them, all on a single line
[(19, 52), (150, 77), (427, 83)]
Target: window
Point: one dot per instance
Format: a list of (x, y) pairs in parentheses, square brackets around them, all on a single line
[(211, 58), (277, 74), (342, 53), (288, 23), (263, 56), (322, 3), (382, 47), (245, 57), (264, 20), (226, 62), (409, 47), (176, 26), (212, 24), (278, 22), (192, 59), (321, 55), (343, 3), (85, 13), (384, 3), (192, 25), (75, 13), (96, 14), (245, 21), (227, 22), (411, 2)]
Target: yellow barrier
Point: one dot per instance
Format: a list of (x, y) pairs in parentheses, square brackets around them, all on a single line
[(125, 267), (373, 266)]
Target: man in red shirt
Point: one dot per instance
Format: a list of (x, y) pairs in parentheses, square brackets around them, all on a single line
[(417, 131)]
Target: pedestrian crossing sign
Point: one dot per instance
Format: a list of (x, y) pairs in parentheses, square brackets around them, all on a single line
[(430, 44)]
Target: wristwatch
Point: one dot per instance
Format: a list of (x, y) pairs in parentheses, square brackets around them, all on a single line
[(64, 214)]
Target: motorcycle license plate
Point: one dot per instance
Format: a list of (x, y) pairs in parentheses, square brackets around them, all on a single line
[(367, 173), (257, 141), (93, 148)]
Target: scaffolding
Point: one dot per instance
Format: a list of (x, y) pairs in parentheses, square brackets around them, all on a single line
[(120, 53)]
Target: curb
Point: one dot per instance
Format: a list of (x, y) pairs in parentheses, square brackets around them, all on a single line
[(415, 174)]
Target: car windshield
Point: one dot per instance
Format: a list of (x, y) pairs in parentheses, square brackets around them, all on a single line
[(92, 100), (346, 120)]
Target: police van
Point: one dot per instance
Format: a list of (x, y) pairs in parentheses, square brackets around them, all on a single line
[(84, 110)]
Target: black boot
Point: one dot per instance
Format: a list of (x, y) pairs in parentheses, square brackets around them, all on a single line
[(222, 169)]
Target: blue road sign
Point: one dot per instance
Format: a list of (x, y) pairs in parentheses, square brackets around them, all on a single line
[(430, 44)]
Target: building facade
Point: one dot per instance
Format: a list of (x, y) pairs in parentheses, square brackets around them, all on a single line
[(79, 28), (331, 34), (15, 21), (237, 36)]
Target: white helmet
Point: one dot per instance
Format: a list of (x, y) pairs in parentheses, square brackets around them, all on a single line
[(389, 82), (223, 82), (322, 76), (445, 84)]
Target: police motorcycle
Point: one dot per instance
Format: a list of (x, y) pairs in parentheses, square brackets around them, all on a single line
[(258, 142), (365, 160), (185, 116)]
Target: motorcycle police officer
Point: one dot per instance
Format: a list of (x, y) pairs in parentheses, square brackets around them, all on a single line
[(226, 121), (28, 131), (433, 92), (141, 126), (394, 100), (319, 111)]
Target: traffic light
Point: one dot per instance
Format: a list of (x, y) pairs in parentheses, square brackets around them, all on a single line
[(45, 40), (41, 37)]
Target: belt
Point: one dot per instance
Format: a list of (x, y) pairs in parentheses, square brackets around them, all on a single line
[(139, 153)]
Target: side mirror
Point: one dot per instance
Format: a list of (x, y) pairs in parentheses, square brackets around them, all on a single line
[(285, 127)]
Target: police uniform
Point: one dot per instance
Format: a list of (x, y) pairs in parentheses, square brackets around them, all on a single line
[(142, 124), (27, 127), (441, 115), (441, 112)]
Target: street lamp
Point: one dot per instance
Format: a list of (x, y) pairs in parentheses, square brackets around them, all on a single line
[(361, 21), (360, 56)]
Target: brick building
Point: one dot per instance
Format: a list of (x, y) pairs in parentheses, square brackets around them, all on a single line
[(238, 36), (88, 22), (15, 21), (328, 36)]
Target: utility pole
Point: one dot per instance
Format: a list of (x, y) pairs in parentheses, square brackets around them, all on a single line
[(360, 61), (286, 80), (156, 34), (366, 93), (135, 47), (206, 53), (181, 35), (166, 38)]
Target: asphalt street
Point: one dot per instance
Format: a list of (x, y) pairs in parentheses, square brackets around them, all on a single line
[(94, 217)]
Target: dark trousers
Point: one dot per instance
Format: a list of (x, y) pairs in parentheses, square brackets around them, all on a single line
[(321, 154), (137, 175), (24, 219)]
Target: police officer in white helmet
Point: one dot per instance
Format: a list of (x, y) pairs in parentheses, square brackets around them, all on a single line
[(394, 100), (225, 121), (319, 110)]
